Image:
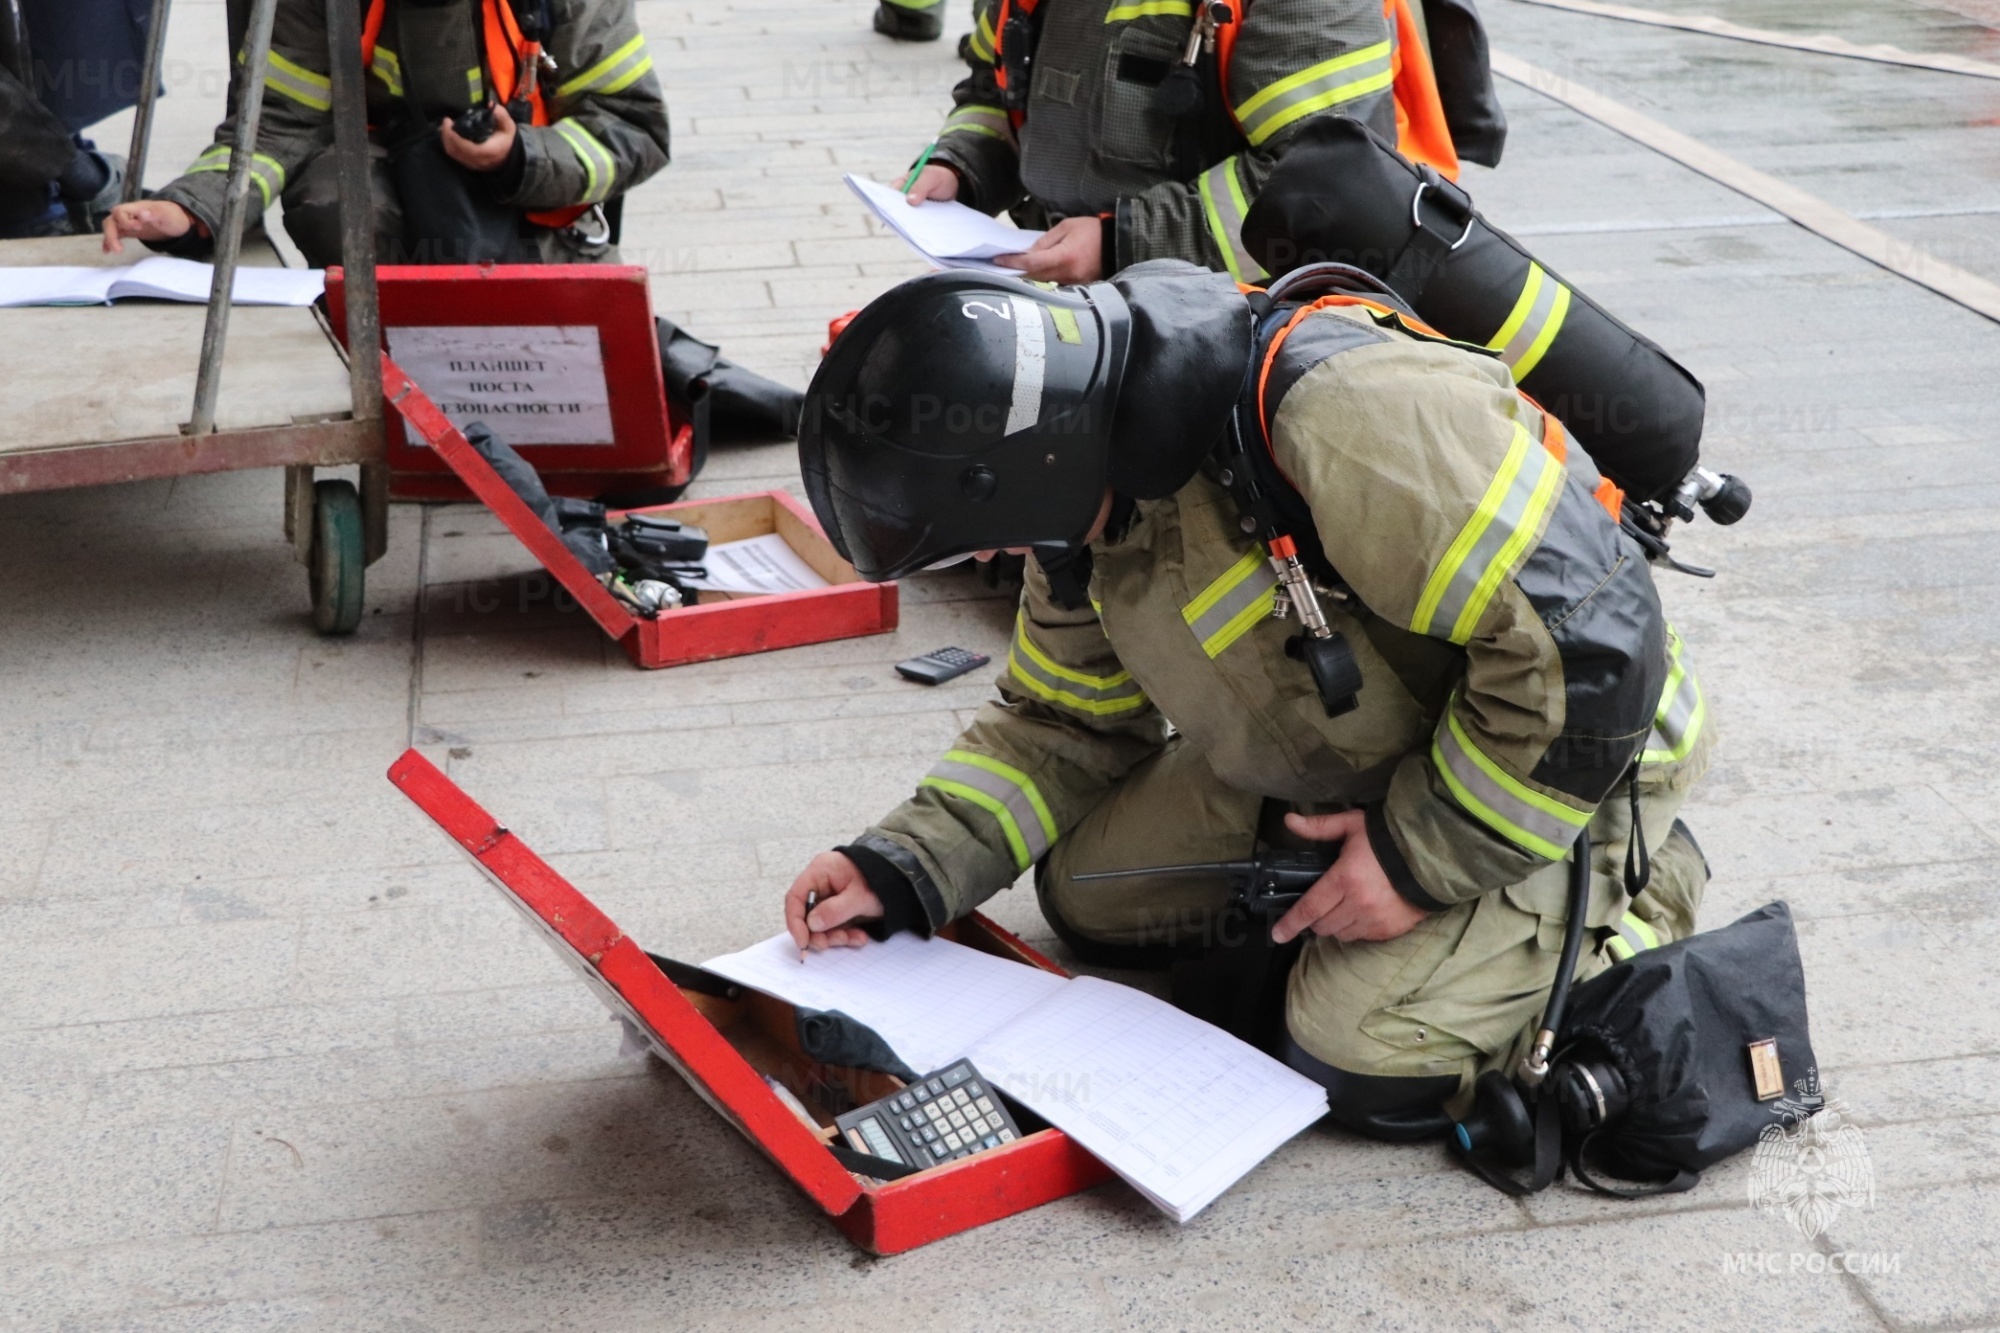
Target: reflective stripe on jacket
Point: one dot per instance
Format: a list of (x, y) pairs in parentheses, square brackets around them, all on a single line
[(607, 114), (1514, 655)]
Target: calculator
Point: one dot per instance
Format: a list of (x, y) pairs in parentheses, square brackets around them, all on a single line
[(943, 665), (949, 1115)]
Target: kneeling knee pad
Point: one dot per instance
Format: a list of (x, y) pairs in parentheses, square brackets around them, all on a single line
[(1397, 1110)]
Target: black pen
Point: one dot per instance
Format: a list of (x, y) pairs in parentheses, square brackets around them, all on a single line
[(812, 901)]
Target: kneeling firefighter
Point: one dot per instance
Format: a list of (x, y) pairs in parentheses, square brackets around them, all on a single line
[(1306, 573)]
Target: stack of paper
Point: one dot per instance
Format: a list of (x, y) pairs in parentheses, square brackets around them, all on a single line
[(945, 232), (1179, 1108)]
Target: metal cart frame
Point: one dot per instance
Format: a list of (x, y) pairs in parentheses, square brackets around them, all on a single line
[(336, 529)]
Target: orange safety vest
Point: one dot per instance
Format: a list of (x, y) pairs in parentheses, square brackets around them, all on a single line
[(1421, 132), (507, 54), (1554, 438)]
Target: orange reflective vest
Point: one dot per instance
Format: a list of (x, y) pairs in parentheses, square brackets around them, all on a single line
[(1421, 132), (507, 54)]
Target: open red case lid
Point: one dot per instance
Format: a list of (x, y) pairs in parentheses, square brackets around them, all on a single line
[(423, 417), (630, 984)]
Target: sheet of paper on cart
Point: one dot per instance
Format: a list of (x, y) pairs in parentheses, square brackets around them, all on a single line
[(161, 278), (1178, 1107), (944, 231), (756, 565)]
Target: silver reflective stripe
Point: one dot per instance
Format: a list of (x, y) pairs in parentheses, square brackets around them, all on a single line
[(1242, 595), (1634, 936), (308, 88), (1525, 817), (266, 172), (1534, 322), (598, 169), (386, 67), (1328, 84), (1224, 205), (613, 74), (1496, 536), (1047, 679), (1004, 792), (1678, 721), (1031, 359)]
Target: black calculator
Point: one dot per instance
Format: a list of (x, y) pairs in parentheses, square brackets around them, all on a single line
[(943, 665), (949, 1115)]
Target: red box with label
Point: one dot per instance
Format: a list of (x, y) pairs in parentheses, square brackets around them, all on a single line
[(562, 361)]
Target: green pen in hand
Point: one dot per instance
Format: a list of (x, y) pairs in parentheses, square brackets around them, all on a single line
[(923, 160)]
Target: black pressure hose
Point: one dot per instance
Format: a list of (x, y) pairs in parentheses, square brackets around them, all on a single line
[(1536, 1066)]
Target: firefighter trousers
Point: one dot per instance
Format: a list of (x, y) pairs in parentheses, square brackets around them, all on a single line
[(1458, 995)]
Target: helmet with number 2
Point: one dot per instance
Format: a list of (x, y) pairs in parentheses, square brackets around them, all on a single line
[(963, 412)]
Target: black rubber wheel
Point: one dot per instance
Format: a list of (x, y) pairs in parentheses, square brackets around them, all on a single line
[(338, 566)]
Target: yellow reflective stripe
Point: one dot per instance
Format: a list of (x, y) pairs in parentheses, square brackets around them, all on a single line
[(1044, 677), (1149, 8), (1004, 792), (1682, 712), (1067, 329), (1632, 925), (1224, 204), (1242, 595), (1533, 323), (310, 90), (1329, 83), (386, 67), (983, 38), (608, 70), (988, 120), (266, 172), (1618, 949), (475, 86), (598, 168), (1502, 802), (1499, 531)]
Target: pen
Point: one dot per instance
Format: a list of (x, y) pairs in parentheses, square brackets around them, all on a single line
[(923, 160), (812, 901)]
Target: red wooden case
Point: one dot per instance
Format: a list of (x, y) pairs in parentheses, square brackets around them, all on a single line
[(724, 1048), (849, 607), (650, 449)]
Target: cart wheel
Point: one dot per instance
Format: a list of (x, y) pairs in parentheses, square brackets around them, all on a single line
[(338, 564)]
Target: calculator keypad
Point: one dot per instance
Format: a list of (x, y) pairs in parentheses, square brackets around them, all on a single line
[(946, 1116)]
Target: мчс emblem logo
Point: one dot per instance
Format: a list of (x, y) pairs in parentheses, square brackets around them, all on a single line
[(1811, 1163)]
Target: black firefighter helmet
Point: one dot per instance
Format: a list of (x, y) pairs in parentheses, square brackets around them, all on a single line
[(962, 412)]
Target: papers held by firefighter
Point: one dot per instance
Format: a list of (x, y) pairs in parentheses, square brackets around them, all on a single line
[(1179, 1108), (160, 278), (945, 232)]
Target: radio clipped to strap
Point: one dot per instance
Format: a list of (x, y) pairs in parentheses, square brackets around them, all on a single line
[(1259, 497)]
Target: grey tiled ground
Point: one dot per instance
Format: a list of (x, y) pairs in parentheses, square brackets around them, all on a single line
[(272, 1057)]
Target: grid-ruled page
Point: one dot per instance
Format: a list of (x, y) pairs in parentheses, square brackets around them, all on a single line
[(1176, 1106), (931, 1000)]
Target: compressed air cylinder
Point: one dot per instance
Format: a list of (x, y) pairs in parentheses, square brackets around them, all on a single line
[(1340, 194)]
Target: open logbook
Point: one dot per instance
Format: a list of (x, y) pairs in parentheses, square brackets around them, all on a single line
[(160, 278), (1178, 1107)]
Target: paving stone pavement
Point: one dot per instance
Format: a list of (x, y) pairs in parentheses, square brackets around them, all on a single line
[(272, 1057)]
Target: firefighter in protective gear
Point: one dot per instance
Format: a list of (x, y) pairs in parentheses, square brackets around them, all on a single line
[(1520, 683), (1097, 155), (597, 127)]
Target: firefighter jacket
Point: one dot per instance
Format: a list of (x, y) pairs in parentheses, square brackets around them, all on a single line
[(1094, 142), (1517, 667), (608, 116)]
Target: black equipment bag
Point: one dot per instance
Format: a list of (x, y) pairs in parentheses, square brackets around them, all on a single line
[(1464, 73), (1341, 194), (1669, 1062), (1678, 1024)]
